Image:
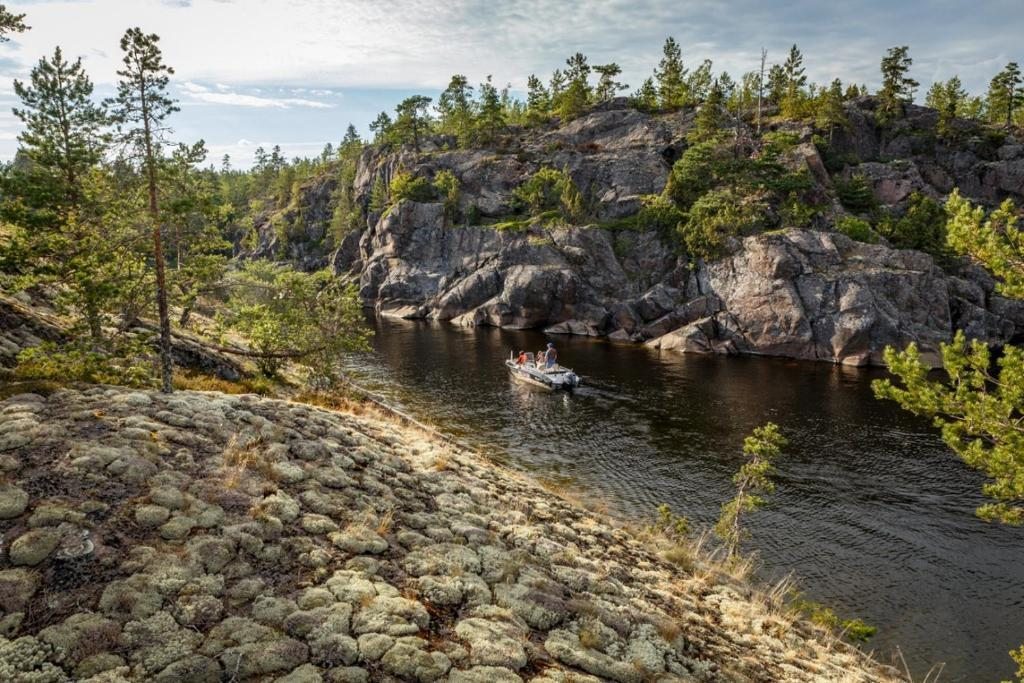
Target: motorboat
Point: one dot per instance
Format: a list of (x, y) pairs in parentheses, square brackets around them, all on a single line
[(534, 372)]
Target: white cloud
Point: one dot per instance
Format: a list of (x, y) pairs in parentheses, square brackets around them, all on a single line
[(195, 92)]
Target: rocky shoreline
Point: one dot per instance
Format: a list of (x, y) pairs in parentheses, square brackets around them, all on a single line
[(206, 537)]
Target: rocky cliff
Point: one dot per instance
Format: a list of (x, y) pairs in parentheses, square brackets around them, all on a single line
[(809, 293), (203, 537)]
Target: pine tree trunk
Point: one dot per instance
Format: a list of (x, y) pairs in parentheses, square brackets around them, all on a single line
[(166, 361)]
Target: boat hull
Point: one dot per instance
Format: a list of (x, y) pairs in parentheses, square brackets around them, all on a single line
[(562, 379)]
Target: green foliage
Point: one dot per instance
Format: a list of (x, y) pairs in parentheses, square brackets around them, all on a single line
[(455, 107), (125, 362), (855, 630), (856, 229), (404, 185), (1005, 96), (671, 77), (550, 189), (948, 99), (793, 103), (446, 187), (829, 113), (412, 121), (897, 87), (1018, 657), (795, 213), (922, 227), (63, 136), (570, 102), (708, 124), (310, 318), (378, 195), (753, 482), (994, 240), (10, 23), (717, 216), (977, 410), (491, 119), (670, 524), (856, 194)]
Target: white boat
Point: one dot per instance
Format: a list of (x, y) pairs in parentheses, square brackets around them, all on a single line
[(553, 378)]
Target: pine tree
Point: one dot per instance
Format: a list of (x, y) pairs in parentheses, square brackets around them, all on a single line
[(577, 94), (1005, 94), (671, 76), (381, 128), (455, 107), (140, 108), (948, 99), (491, 119), (63, 126), (607, 86), (753, 481), (708, 123), (776, 84), (350, 140), (795, 80), (646, 96), (829, 111), (897, 87), (411, 120), (10, 23), (538, 100), (698, 85)]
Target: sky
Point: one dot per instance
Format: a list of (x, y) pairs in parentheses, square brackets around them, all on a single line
[(295, 73)]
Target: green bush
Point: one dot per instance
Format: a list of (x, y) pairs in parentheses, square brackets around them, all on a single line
[(922, 227), (129, 363), (780, 141), (795, 213), (446, 187), (857, 229), (717, 216), (700, 168), (404, 185), (856, 194), (550, 189)]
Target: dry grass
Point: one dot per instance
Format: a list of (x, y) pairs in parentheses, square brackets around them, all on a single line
[(242, 457), (196, 381), (386, 522)]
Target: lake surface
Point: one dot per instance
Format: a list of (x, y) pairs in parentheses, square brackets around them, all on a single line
[(872, 513)]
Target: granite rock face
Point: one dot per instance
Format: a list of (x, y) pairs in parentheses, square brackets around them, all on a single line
[(378, 565), (798, 293)]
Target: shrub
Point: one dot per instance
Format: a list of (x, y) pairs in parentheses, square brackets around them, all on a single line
[(853, 629), (856, 229), (780, 141), (446, 187), (550, 189), (696, 171), (127, 363), (717, 216), (404, 185), (795, 213), (855, 194), (922, 227)]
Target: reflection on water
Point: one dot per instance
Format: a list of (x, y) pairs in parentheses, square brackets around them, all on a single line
[(873, 514)]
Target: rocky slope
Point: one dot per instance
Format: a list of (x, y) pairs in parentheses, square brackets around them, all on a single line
[(804, 294), (203, 537)]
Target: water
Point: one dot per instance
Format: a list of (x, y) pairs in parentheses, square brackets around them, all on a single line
[(872, 513)]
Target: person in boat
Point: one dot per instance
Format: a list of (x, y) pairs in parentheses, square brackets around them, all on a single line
[(521, 360), (540, 359), (550, 356)]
